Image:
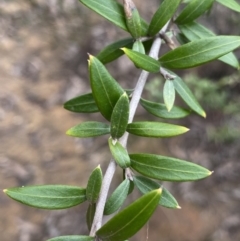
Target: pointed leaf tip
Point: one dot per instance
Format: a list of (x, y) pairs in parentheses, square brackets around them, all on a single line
[(178, 207)]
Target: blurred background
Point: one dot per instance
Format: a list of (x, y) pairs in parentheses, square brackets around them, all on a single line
[(43, 63)]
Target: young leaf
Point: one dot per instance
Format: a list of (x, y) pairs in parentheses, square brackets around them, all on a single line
[(116, 200), (167, 168), (106, 91), (72, 238), (160, 110), (162, 15), (90, 215), (232, 4), (199, 52), (142, 61), (48, 196), (155, 129), (146, 185), (133, 19), (169, 94), (132, 218), (82, 104), (138, 47), (89, 129), (193, 10), (113, 51), (194, 31), (94, 185), (119, 153), (119, 118), (188, 96), (112, 11)]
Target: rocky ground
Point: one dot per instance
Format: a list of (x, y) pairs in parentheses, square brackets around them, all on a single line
[(43, 49)]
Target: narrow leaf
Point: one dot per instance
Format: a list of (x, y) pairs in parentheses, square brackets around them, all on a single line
[(113, 51), (162, 15), (94, 185), (193, 10), (132, 218), (90, 215), (119, 118), (119, 153), (112, 11), (155, 129), (199, 52), (169, 94), (89, 129), (143, 61), (146, 185), (48, 196), (106, 91), (133, 19), (188, 96), (160, 110), (194, 31), (232, 4), (72, 238), (82, 104), (116, 200), (167, 168)]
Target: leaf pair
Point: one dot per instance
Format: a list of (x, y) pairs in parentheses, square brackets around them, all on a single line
[(146, 185), (194, 31), (128, 221), (112, 11), (189, 55)]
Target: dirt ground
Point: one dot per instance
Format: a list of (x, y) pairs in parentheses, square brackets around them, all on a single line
[(43, 63)]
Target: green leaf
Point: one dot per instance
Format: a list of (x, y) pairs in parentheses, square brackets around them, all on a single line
[(82, 104), (138, 47), (155, 129), (106, 91), (94, 185), (167, 168), (162, 15), (169, 94), (232, 4), (48, 196), (89, 129), (116, 200), (119, 153), (113, 51), (72, 238), (90, 215), (199, 52), (142, 61), (194, 31), (112, 11), (127, 222), (146, 185), (188, 96), (133, 19), (193, 10), (160, 110), (119, 118)]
